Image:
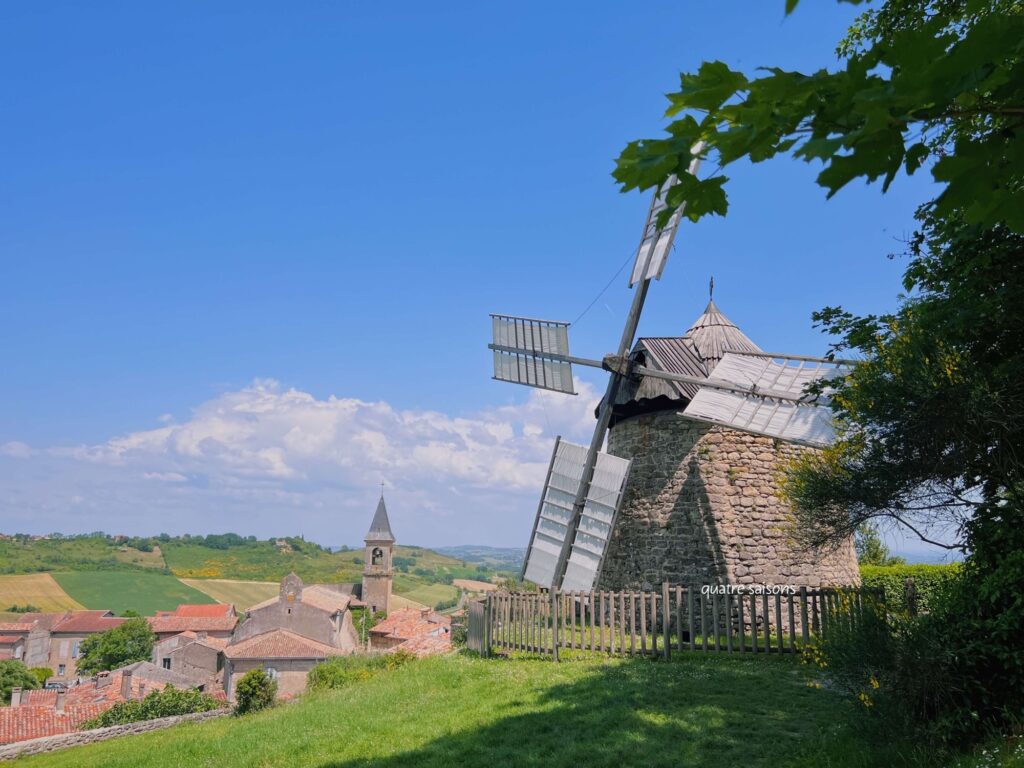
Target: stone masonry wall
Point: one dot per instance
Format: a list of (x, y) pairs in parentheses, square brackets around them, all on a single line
[(702, 507), (63, 740)]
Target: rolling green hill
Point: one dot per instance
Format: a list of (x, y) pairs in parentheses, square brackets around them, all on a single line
[(149, 565)]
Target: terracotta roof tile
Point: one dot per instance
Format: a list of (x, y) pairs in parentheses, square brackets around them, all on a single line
[(211, 610), (16, 626), (88, 621), (427, 645), (38, 717), (31, 722), (177, 624), (407, 623), (317, 596), (281, 644), (10, 639)]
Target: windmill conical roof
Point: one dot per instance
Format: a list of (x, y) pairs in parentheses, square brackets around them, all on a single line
[(380, 528), (695, 353), (713, 334)]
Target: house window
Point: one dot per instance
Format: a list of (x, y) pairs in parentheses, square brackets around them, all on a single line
[(74, 649), (167, 662), (63, 649), (271, 672), (60, 669), (17, 652)]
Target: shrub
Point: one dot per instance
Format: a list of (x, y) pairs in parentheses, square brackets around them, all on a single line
[(164, 703), (42, 674), (929, 580), (954, 674), (460, 631), (255, 691), (26, 608), (342, 671)]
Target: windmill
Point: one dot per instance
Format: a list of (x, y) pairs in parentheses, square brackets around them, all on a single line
[(761, 393)]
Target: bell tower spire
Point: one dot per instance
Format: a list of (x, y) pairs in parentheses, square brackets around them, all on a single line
[(377, 571)]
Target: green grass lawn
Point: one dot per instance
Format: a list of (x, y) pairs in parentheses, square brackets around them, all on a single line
[(142, 591), (454, 711)]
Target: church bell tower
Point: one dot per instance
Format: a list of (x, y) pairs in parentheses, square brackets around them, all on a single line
[(377, 570)]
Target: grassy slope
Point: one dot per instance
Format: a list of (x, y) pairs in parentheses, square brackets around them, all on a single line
[(142, 591), (451, 711), (241, 594), (38, 589)]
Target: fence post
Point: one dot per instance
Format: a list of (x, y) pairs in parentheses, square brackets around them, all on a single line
[(554, 624), (804, 629), (666, 615), (486, 645), (910, 590), (689, 616)]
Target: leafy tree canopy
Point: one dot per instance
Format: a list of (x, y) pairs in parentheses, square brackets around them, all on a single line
[(14, 674), (871, 550), (125, 644), (920, 81)]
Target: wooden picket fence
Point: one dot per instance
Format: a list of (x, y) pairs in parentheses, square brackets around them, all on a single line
[(732, 619)]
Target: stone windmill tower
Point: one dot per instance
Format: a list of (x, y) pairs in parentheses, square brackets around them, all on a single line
[(701, 505)]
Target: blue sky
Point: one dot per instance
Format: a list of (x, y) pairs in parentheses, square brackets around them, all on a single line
[(255, 208)]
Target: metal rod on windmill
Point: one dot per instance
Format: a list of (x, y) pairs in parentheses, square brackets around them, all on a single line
[(761, 394)]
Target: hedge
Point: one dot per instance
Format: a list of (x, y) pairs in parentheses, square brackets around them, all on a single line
[(929, 580)]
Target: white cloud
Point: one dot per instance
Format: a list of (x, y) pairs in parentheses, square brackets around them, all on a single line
[(265, 459), (16, 449)]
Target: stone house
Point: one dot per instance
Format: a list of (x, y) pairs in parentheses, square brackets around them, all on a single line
[(53, 639), (214, 621), (418, 631), (12, 647), (194, 656), (289, 634), (702, 503)]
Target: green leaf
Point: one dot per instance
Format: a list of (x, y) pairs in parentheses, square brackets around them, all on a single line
[(712, 86)]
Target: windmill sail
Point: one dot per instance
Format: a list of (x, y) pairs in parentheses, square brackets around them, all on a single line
[(766, 395), (532, 352), (656, 242), (555, 513)]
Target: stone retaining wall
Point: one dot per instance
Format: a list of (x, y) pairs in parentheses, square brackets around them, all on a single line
[(60, 741), (702, 506)]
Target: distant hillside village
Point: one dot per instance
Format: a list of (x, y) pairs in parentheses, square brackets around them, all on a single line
[(210, 647)]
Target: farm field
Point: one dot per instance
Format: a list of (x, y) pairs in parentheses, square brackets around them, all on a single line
[(143, 591), (38, 589), (428, 594), (457, 710), (398, 602), (472, 585), (241, 594)]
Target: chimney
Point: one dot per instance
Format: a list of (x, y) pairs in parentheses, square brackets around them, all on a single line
[(61, 695), (126, 685), (15, 697), (102, 680)]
